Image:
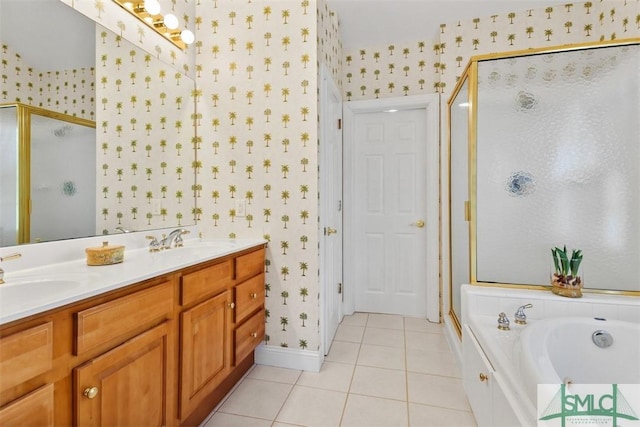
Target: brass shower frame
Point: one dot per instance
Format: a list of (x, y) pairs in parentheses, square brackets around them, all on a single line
[(23, 120)]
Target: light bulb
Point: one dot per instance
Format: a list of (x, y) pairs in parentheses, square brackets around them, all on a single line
[(152, 7), (187, 36), (170, 21)]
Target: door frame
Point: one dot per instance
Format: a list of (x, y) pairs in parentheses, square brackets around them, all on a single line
[(431, 105), (327, 86)]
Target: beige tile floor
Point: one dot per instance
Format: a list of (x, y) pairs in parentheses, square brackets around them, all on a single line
[(382, 370)]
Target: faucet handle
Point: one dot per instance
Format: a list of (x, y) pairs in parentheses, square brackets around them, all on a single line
[(521, 318), (503, 322), (154, 245), (9, 257)]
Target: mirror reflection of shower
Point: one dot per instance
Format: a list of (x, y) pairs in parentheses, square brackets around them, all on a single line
[(50, 191)]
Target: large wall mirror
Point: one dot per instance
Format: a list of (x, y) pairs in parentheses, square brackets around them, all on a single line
[(551, 140), (143, 109)]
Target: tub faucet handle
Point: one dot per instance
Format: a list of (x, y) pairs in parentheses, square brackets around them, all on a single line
[(503, 322), (521, 318)]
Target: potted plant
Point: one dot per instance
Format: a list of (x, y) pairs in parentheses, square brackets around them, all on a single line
[(566, 280)]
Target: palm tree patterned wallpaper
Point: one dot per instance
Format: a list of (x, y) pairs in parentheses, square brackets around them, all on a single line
[(434, 66), (67, 91), (144, 132), (258, 80)]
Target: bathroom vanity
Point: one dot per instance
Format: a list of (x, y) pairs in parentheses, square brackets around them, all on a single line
[(147, 349)]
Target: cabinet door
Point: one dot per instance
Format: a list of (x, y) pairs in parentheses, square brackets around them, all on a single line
[(33, 410), (206, 350), (477, 378), (126, 386)]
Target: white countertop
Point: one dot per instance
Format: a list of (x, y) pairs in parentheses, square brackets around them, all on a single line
[(35, 290)]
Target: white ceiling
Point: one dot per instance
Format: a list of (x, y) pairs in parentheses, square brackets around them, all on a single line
[(48, 34), (376, 22)]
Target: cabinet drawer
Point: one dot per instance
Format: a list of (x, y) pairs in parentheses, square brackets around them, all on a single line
[(248, 335), (250, 264), (25, 355), (249, 297), (33, 410), (118, 318), (206, 282)]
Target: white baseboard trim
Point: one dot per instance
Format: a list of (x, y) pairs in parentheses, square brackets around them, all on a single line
[(453, 340), (291, 358)]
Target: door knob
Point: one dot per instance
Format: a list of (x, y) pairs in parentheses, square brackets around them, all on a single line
[(90, 392), (329, 231), (419, 223)]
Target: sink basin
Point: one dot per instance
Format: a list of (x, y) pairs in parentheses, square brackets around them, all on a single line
[(25, 291)]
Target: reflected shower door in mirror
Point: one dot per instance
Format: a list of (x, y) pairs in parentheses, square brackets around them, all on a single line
[(143, 109), (43, 198)]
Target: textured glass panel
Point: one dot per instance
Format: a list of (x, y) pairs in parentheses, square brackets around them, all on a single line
[(8, 176), (558, 163), (63, 194), (459, 112)]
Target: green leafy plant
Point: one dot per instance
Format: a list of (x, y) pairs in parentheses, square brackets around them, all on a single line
[(565, 265)]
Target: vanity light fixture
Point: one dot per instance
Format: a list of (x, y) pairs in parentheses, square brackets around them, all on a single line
[(149, 12)]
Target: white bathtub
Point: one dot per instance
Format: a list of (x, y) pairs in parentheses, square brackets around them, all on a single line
[(561, 350)]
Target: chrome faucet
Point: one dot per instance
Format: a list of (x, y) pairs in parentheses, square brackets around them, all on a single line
[(7, 258), (521, 318), (503, 322), (154, 245), (174, 239)]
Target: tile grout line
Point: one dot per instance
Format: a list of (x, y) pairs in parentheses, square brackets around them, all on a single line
[(353, 373), (406, 370)]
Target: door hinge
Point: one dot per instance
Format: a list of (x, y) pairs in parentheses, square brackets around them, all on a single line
[(339, 124), (339, 288)]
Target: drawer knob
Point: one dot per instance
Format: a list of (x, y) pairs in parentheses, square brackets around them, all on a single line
[(483, 377), (232, 305), (254, 295), (254, 334), (90, 392)]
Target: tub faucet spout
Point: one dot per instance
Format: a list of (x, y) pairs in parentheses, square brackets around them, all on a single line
[(521, 318)]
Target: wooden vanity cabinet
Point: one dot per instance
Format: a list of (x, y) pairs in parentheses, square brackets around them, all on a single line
[(25, 359), (162, 352), (127, 386), (213, 296)]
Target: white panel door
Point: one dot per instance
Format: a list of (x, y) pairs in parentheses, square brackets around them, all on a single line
[(331, 207), (390, 208)]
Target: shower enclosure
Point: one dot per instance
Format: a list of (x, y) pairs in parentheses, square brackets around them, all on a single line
[(47, 175), (544, 152)]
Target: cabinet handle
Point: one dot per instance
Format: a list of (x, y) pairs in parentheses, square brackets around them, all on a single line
[(484, 377), (232, 305), (253, 295), (254, 334), (90, 392)]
